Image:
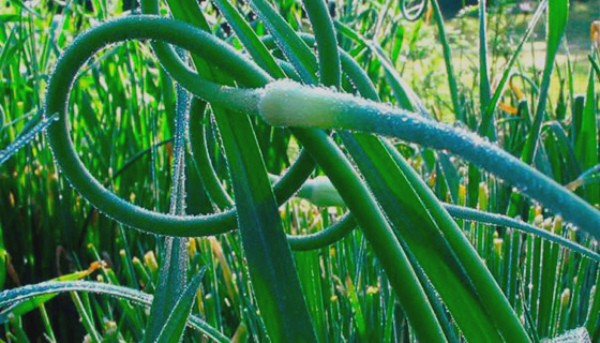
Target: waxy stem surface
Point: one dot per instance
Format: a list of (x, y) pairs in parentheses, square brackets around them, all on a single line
[(290, 104)]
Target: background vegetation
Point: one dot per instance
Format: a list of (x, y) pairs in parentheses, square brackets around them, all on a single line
[(123, 110)]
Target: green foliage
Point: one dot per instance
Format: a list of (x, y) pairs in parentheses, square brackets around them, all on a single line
[(238, 107)]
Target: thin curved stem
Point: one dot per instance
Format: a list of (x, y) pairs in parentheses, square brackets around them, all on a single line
[(325, 237), (136, 27), (467, 213), (201, 158)]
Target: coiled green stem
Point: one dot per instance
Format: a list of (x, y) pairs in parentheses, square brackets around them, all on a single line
[(61, 81), (148, 27), (322, 108), (284, 103), (175, 32)]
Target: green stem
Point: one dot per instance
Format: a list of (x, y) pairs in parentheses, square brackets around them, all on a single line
[(326, 109), (329, 59), (378, 232), (174, 32), (61, 81)]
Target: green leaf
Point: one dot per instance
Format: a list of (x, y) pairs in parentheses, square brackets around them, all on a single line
[(436, 245), (329, 58), (379, 234), (3, 259), (249, 39), (586, 142), (270, 264), (173, 267), (451, 75), (359, 319), (297, 52), (404, 95), (484, 79), (26, 306), (173, 328), (32, 129), (558, 14), (269, 259)]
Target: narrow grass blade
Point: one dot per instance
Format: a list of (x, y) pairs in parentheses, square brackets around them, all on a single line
[(24, 307), (249, 39), (595, 65), (359, 319), (86, 318), (295, 50), (451, 75), (188, 11), (558, 14), (593, 315), (25, 137), (173, 328), (589, 176), (548, 285), (586, 141), (488, 113), (406, 212), (3, 259), (173, 268), (404, 95), (484, 79), (566, 167), (26, 292)]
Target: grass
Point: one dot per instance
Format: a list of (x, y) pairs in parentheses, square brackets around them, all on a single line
[(423, 61), (407, 235)]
